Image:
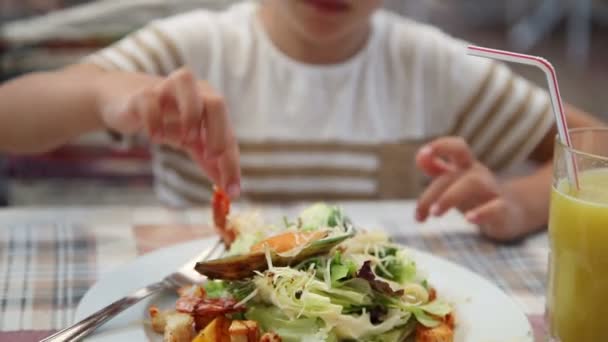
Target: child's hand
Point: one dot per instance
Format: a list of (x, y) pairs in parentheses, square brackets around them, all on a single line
[(462, 182), (184, 113)]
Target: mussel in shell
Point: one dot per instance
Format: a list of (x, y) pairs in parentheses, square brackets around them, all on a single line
[(288, 248), (243, 266)]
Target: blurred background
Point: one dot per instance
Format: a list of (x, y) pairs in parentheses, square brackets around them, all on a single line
[(46, 34)]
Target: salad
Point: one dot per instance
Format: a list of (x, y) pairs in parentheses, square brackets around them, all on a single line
[(313, 278)]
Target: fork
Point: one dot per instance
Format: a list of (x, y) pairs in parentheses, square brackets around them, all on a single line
[(184, 276)]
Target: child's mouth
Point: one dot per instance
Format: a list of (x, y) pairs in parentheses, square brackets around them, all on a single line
[(331, 6)]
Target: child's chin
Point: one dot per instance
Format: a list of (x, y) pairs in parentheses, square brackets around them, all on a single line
[(320, 28), (324, 33)]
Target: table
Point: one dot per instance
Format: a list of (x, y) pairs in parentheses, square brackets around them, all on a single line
[(49, 257)]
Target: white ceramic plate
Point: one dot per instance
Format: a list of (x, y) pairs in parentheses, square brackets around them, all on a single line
[(484, 313)]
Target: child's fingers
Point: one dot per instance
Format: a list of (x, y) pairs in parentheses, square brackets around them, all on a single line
[(172, 130), (221, 143), (463, 194), (489, 217), (458, 195), (189, 103), (230, 171), (145, 110), (216, 124), (211, 168), (431, 165), (497, 220), (432, 193), (485, 213), (180, 93), (454, 149)]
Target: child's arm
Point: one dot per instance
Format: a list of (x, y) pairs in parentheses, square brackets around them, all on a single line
[(41, 111), (502, 211), (44, 110)]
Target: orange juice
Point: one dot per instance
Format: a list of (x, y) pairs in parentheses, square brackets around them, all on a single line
[(577, 300)]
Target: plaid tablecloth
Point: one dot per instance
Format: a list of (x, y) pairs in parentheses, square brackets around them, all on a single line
[(50, 257)]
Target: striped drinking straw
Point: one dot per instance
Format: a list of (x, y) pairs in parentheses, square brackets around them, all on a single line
[(556, 100)]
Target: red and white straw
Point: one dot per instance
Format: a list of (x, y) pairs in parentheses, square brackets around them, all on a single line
[(556, 99)]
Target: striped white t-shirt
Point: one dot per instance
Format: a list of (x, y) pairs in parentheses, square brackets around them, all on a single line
[(345, 131)]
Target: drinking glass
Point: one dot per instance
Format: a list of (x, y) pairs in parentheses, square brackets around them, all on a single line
[(577, 297)]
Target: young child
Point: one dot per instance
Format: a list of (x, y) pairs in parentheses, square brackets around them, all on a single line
[(328, 99)]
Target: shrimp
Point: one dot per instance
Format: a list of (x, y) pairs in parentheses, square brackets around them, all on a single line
[(221, 209)]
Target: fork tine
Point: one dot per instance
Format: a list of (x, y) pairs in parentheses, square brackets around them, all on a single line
[(186, 274), (216, 249), (210, 253)]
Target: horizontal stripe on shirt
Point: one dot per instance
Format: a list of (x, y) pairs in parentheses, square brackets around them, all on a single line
[(365, 172)]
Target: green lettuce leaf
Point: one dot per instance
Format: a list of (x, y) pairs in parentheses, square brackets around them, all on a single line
[(271, 319), (243, 243), (399, 266), (341, 269), (215, 289), (437, 307), (398, 334), (320, 215), (360, 327), (424, 318), (240, 289)]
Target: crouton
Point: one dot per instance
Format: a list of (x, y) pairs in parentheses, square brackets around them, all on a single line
[(244, 331), (440, 333), (192, 291), (179, 327), (159, 319), (270, 337)]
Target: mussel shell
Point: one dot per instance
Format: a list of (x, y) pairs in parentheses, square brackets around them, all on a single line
[(244, 266), (233, 267)]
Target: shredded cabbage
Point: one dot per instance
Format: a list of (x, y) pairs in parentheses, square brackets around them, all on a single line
[(291, 330), (320, 215), (396, 335), (360, 327)]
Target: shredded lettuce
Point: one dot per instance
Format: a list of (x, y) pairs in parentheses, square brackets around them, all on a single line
[(300, 293), (271, 319), (437, 307), (350, 302), (360, 326), (397, 334), (336, 218), (244, 242), (215, 289), (320, 215), (240, 289), (398, 266), (366, 289)]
